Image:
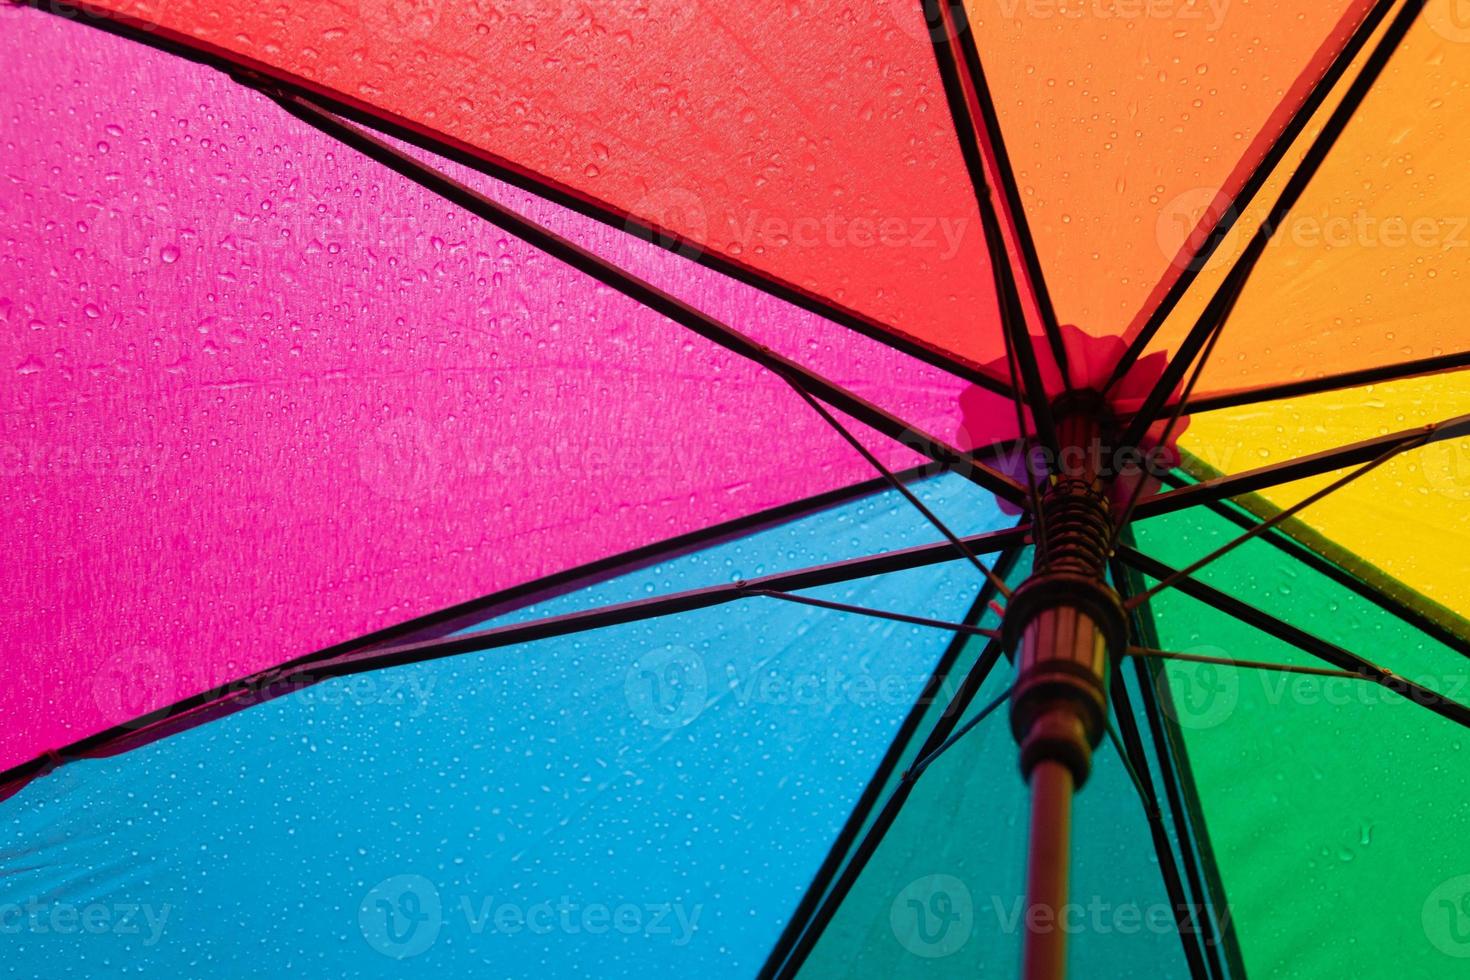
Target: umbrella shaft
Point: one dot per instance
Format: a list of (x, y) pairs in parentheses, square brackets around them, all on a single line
[(1044, 956)]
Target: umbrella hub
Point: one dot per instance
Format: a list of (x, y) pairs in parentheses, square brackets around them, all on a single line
[(1065, 622)]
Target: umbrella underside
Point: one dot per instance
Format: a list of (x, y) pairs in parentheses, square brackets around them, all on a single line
[(449, 545)]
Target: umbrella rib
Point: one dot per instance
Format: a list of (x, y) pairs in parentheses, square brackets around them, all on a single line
[(878, 829), (1286, 542), (689, 600), (1150, 809), (917, 769), (898, 485), (1331, 382), (885, 614), (1278, 517), (1004, 178), (1175, 775), (265, 78), (646, 294), (1195, 658), (869, 799), (304, 671), (1205, 334), (1315, 464), (1279, 147), (1301, 639), (959, 93), (1136, 758), (1143, 475)]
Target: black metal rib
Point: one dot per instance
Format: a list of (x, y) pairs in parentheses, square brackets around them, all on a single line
[(1281, 539), (898, 485), (1301, 639), (649, 295), (858, 818), (1233, 485), (1331, 382), (1005, 179), (1151, 653), (1137, 756), (1143, 477), (853, 869), (924, 762), (885, 614), (1196, 851), (1255, 182), (260, 76), (1280, 516), (958, 92), (304, 671), (1205, 334)]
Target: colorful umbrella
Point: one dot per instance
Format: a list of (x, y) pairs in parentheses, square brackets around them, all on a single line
[(577, 487)]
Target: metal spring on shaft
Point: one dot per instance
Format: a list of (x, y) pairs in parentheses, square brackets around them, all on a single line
[(1075, 512)]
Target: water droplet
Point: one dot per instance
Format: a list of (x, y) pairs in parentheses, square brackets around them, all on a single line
[(169, 254)]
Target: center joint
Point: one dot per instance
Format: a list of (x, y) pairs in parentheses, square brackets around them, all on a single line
[(1065, 623)]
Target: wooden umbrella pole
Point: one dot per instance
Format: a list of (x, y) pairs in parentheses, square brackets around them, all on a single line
[(1062, 625)]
